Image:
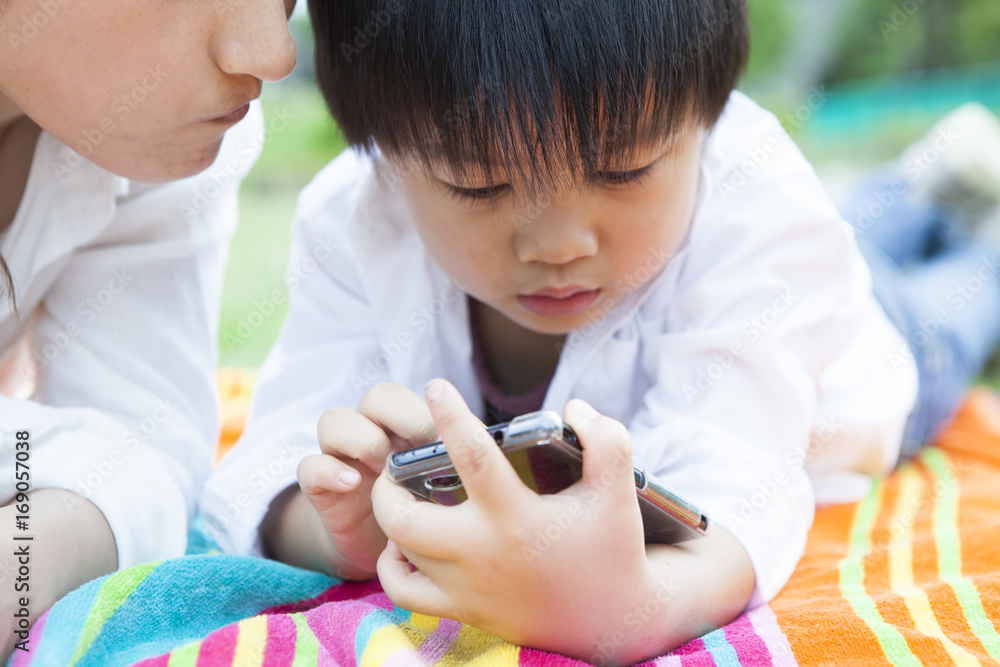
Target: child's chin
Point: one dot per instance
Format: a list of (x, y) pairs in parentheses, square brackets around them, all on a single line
[(554, 326)]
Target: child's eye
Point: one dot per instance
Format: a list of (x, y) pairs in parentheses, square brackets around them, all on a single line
[(477, 194), (623, 177)]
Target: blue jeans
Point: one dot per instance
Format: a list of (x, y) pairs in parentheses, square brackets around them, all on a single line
[(938, 286)]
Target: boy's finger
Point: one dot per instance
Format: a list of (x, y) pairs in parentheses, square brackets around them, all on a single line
[(408, 588), (486, 474), (399, 411), (319, 473), (415, 524), (607, 449), (346, 433)]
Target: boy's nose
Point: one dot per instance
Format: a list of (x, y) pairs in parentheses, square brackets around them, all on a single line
[(254, 39), (556, 237)]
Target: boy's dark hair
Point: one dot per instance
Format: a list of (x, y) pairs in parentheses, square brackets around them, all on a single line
[(525, 89)]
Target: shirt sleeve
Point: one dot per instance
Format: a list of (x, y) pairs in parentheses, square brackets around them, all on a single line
[(770, 295), (327, 335), (124, 347)]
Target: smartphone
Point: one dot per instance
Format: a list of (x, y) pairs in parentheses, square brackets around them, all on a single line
[(547, 456)]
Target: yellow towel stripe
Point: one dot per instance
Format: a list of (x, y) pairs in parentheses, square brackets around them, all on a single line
[(475, 648), (852, 580), (250, 642), (422, 623), (384, 643), (949, 550), (911, 488)]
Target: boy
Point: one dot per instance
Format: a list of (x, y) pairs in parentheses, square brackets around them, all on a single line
[(564, 208)]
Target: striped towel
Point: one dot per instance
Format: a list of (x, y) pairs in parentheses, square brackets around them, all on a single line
[(908, 576)]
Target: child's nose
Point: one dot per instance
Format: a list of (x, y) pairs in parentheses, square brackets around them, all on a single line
[(556, 237), (254, 39)]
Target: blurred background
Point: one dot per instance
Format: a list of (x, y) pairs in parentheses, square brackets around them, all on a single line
[(853, 82)]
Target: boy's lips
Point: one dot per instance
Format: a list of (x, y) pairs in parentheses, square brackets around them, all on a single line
[(559, 302)]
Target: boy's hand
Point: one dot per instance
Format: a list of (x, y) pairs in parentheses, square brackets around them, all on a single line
[(545, 571), (338, 482)]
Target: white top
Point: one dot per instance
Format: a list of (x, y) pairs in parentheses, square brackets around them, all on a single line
[(118, 287), (760, 342)]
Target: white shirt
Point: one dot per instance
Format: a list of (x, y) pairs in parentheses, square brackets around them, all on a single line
[(118, 287), (760, 342)]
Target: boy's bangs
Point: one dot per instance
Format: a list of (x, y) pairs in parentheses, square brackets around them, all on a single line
[(533, 91)]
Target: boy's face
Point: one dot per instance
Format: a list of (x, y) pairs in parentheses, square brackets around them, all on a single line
[(562, 261)]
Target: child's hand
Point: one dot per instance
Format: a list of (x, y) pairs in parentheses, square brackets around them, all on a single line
[(338, 482), (545, 571)]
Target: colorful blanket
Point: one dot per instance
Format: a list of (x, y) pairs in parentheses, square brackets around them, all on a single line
[(908, 576)]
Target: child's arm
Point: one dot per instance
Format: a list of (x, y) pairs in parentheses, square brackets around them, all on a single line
[(567, 572)]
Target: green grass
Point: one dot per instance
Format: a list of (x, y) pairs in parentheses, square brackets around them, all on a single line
[(254, 298)]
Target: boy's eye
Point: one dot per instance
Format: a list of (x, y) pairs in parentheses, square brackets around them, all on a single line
[(622, 177), (478, 194)]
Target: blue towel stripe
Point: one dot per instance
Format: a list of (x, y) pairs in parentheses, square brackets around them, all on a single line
[(722, 651)]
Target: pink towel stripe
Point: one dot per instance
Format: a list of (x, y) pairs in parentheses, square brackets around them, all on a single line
[(529, 657), (348, 590), (219, 647), (158, 661), (280, 648), (336, 626), (694, 654), (749, 647)]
